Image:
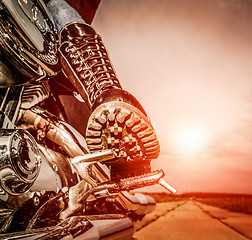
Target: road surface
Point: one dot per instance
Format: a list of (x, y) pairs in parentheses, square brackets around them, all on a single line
[(191, 220)]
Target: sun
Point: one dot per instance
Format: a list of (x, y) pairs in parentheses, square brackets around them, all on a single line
[(190, 140)]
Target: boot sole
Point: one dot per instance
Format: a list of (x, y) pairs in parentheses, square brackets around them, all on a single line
[(123, 128)]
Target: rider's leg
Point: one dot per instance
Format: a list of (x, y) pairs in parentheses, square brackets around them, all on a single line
[(63, 13), (118, 120)]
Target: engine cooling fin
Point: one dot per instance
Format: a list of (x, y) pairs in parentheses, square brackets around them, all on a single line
[(34, 94)]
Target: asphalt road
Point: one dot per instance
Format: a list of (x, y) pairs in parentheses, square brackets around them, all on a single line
[(193, 221)]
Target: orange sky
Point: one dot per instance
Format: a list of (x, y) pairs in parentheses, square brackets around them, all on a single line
[(189, 62)]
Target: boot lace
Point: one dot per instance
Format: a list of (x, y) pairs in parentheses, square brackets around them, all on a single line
[(92, 64)]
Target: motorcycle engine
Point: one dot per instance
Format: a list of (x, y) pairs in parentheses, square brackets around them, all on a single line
[(19, 160)]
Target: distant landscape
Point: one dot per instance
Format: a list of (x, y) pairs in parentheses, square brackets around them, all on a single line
[(232, 202)]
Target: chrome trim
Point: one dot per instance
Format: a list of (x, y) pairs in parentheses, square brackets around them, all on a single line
[(29, 38), (106, 226), (85, 164), (53, 130), (60, 133), (101, 156), (19, 160), (61, 165)]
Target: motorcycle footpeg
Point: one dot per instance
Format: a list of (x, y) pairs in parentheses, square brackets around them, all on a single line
[(127, 184)]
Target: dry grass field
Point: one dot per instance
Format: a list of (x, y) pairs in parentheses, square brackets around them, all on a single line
[(232, 202)]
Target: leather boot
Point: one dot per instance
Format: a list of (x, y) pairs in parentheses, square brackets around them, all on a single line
[(118, 121)]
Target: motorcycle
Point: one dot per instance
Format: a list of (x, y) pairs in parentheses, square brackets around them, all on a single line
[(52, 186)]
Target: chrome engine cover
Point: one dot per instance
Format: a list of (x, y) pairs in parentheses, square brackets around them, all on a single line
[(28, 42), (19, 160)]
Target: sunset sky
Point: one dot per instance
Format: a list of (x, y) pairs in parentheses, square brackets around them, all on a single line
[(189, 62)]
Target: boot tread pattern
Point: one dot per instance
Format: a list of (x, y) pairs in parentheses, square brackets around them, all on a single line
[(123, 128)]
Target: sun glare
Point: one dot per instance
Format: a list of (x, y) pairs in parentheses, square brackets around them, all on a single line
[(190, 141)]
